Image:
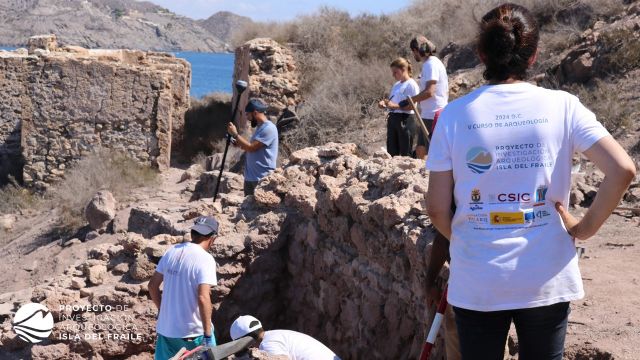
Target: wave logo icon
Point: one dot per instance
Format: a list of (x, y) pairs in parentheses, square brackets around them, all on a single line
[(479, 160), (33, 323)]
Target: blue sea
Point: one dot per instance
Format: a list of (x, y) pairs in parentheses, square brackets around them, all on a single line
[(211, 72)]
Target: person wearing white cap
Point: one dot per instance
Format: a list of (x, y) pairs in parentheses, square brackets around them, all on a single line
[(295, 345), (188, 271)]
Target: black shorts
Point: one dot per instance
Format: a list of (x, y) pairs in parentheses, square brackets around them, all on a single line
[(428, 123)]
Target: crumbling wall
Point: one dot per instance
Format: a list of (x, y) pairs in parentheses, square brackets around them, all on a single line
[(331, 244), (66, 102), (12, 83), (270, 70), (358, 250)]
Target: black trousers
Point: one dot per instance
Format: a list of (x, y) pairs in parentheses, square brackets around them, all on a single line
[(399, 134), (541, 332)]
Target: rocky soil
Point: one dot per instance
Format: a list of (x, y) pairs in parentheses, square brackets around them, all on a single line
[(333, 244)]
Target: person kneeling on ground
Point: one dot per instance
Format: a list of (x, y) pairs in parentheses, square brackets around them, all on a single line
[(188, 272), (261, 149), (295, 345)]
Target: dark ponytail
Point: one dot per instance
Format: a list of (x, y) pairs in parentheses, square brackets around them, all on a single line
[(508, 39)]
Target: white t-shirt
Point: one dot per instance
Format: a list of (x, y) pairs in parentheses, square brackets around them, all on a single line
[(297, 346), (510, 148), (402, 90), (184, 267), (433, 69)]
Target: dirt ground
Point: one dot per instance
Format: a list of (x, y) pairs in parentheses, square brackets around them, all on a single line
[(607, 320)]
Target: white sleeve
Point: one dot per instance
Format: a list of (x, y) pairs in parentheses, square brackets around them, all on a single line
[(162, 263), (429, 72), (586, 129), (206, 272), (439, 158), (413, 89)]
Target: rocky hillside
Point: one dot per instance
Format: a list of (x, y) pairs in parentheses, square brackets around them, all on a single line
[(104, 24), (223, 23)]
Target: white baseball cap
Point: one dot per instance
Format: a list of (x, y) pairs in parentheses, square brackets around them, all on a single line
[(244, 325)]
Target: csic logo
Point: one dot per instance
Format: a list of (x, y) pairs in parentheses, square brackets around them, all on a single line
[(33, 323), (513, 197), (475, 196), (479, 160)]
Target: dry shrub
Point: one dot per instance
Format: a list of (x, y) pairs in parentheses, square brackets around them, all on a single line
[(604, 100), (102, 169), (621, 50), (344, 60), (342, 98), (205, 125), (14, 198)]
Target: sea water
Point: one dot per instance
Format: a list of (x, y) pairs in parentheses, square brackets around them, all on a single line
[(211, 72)]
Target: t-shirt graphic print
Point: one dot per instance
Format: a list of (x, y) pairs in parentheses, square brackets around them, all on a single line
[(510, 148)]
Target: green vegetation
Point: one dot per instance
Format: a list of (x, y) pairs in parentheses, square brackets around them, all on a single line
[(118, 13)]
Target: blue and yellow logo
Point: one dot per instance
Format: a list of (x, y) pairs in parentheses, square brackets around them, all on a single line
[(479, 160)]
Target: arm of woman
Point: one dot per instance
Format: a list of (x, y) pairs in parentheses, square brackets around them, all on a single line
[(619, 171), (439, 197)]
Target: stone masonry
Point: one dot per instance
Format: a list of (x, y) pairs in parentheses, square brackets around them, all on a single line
[(64, 102), (270, 70)]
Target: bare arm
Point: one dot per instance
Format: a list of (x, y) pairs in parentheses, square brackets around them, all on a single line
[(243, 143), (154, 288), (393, 106), (619, 171), (439, 254), (429, 91), (205, 307), (247, 146), (439, 198)]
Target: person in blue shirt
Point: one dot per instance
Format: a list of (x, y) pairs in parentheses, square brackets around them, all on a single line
[(262, 149)]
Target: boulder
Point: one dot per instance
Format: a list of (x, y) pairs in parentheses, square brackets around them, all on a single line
[(193, 172), (150, 222), (142, 268), (95, 274), (7, 222), (100, 210)]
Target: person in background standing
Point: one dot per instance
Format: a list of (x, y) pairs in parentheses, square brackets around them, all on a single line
[(399, 123), (262, 149), (434, 87)]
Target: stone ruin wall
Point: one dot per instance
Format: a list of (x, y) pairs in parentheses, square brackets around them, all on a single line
[(64, 102), (334, 246), (271, 72)]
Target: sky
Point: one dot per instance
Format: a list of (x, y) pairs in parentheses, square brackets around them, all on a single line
[(277, 10)]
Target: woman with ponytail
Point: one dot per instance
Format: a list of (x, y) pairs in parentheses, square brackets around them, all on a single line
[(504, 152), (399, 124)]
